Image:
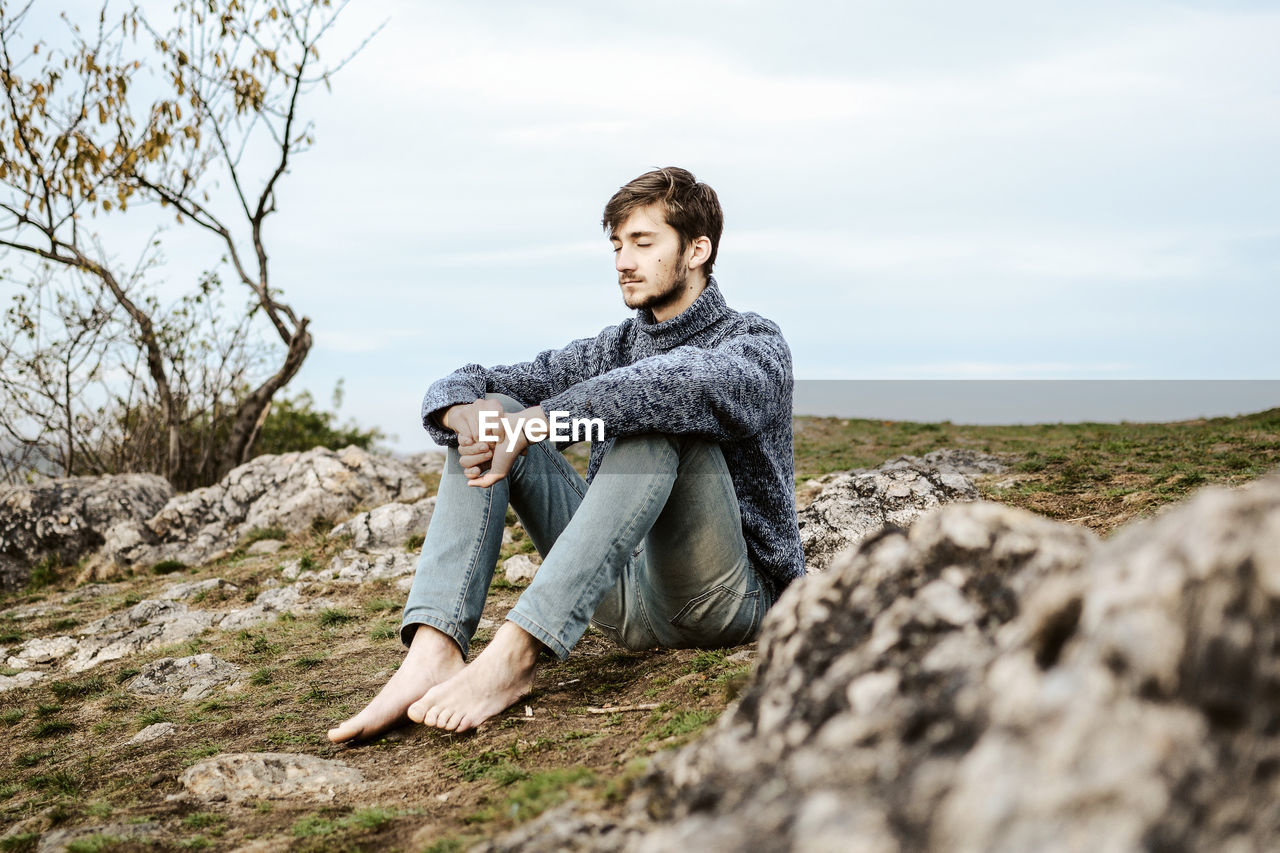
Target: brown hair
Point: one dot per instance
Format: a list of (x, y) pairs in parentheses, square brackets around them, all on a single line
[(690, 207)]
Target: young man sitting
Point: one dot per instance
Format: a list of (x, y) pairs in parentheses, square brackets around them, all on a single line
[(687, 533)]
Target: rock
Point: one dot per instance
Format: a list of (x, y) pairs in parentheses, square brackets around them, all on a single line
[(991, 680), (354, 567), (268, 776), (40, 651), (971, 463), (19, 680), (189, 678), (427, 462), (155, 731), (198, 589), (857, 504), (68, 518), (265, 546), (388, 527), (520, 568), (269, 605), (288, 491), (148, 624), (59, 840)]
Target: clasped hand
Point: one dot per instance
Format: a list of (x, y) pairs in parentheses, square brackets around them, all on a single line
[(483, 460)]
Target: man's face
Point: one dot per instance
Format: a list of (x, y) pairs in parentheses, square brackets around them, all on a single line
[(652, 271)]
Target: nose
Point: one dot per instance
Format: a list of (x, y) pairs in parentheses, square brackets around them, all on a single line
[(623, 261)]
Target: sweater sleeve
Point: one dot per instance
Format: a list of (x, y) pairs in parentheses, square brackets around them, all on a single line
[(732, 391), (548, 374)]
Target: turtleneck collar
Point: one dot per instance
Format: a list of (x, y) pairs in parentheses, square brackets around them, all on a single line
[(705, 310)]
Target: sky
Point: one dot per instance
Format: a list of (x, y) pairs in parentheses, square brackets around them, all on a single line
[(912, 190)]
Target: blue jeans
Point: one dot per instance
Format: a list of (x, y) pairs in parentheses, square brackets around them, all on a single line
[(652, 553)]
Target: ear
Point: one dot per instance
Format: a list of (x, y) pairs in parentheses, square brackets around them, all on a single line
[(699, 251)]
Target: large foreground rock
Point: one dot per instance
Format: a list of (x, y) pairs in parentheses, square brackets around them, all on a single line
[(69, 518), (992, 681), (268, 776), (290, 491)]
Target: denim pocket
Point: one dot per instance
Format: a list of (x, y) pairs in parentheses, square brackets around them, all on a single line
[(719, 617)]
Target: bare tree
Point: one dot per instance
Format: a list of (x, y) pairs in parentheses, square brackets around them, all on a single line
[(77, 141)]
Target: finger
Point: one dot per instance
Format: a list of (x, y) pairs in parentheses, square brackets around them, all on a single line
[(471, 459), (489, 478)]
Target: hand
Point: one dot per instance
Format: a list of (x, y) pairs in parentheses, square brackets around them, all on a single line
[(503, 456), (475, 452)]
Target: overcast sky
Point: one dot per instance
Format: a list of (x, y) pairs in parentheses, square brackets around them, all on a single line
[(912, 190)]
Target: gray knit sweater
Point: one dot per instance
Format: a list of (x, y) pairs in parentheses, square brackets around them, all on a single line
[(709, 371)]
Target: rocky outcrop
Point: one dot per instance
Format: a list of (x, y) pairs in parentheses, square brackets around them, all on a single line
[(991, 680), (268, 776), (290, 491), (68, 518), (854, 505)]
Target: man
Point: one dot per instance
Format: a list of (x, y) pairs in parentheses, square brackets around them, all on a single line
[(688, 531)]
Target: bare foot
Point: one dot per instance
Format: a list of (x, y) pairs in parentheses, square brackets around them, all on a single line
[(491, 683), (433, 658)]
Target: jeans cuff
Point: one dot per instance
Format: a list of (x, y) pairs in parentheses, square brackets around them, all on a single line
[(542, 635), (419, 617)]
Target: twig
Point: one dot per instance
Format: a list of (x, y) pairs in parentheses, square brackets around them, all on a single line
[(648, 706)]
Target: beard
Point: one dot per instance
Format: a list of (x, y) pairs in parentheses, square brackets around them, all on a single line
[(669, 293)]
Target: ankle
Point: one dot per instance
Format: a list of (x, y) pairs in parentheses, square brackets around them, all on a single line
[(517, 645), (430, 644)]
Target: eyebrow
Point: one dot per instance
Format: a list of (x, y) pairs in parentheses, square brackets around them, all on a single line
[(634, 235)]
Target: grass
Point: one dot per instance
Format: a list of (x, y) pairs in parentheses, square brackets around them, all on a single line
[(331, 617), (258, 534), (52, 728), (65, 690), (44, 573), (167, 567)]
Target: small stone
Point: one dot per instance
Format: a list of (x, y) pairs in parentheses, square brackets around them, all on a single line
[(265, 546), (44, 650), (268, 775), (58, 840), (191, 589), (189, 678), (22, 679), (155, 731), (521, 568)]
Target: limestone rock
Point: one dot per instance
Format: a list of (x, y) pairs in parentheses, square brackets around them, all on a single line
[(189, 678), (269, 605), (387, 527), (857, 504), (353, 567), (148, 624), (265, 546), (288, 491), (68, 518), (198, 589), (991, 680), (155, 731), (59, 840), (19, 680), (40, 651), (520, 568), (427, 462), (268, 775)]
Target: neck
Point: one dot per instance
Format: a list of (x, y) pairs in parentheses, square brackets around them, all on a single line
[(693, 289)]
